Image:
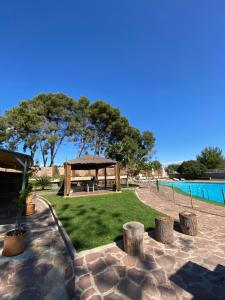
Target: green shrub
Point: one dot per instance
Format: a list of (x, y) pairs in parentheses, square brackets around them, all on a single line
[(191, 169), (43, 182)]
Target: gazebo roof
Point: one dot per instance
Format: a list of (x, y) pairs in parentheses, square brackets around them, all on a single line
[(90, 162), (12, 160)]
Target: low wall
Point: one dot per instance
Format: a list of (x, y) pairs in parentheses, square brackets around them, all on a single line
[(216, 174), (59, 171)]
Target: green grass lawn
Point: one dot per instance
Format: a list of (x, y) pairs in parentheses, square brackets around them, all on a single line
[(93, 221)]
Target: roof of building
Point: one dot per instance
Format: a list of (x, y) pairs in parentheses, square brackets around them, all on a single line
[(91, 161), (14, 160)]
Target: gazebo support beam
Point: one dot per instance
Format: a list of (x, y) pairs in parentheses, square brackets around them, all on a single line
[(96, 174), (117, 177), (67, 180), (105, 172), (24, 165)]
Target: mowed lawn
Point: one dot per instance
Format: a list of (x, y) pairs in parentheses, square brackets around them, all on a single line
[(93, 221)]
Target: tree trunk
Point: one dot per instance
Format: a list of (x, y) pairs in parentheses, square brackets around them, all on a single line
[(164, 229), (52, 156), (133, 233), (188, 223)]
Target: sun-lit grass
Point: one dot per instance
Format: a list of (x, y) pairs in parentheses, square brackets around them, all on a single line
[(92, 221)]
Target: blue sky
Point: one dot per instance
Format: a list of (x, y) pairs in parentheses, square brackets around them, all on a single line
[(162, 63)]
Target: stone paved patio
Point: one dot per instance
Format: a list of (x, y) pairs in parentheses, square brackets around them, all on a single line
[(42, 271), (190, 268)]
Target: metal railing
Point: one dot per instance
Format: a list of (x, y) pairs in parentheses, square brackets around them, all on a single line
[(190, 198)]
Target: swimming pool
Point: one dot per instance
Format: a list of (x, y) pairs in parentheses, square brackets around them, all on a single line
[(209, 191)]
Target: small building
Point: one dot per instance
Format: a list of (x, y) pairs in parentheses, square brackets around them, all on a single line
[(90, 162), (13, 168)]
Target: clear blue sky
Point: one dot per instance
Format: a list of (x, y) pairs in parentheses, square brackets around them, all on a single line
[(162, 63)]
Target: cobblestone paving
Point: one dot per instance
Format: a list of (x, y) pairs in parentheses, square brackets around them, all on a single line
[(190, 268), (42, 270)]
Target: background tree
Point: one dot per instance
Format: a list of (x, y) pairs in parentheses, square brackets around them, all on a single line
[(48, 120), (172, 168), (132, 149), (80, 128), (55, 110), (150, 166), (212, 158), (102, 118), (5, 135), (156, 165), (22, 125), (192, 169)]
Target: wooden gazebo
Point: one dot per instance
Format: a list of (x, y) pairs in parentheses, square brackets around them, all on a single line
[(90, 162)]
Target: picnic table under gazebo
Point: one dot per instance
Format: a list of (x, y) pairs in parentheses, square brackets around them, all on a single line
[(90, 162)]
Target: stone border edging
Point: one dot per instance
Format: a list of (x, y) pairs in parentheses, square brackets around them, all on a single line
[(69, 246)]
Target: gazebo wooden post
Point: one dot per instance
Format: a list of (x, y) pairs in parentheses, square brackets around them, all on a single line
[(117, 176), (105, 178), (67, 180), (96, 174)]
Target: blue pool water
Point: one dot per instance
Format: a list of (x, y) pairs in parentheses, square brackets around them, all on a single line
[(205, 190)]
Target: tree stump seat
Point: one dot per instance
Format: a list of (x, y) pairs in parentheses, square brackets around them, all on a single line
[(188, 223), (133, 234), (164, 229)]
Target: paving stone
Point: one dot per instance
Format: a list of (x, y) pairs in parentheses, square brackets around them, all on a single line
[(159, 276), (166, 262), (113, 296), (146, 263), (111, 260), (127, 288), (93, 256), (148, 286), (136, 275), (97, 266), (106, 280), (167, 292), (113, 249), (129, 261), (84, 282), (158, 252), (95, 297), (88, 293), (79, 271), (120, 270), (79, 262)]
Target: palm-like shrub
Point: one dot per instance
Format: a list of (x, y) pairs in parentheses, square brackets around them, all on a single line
[(43, 182)]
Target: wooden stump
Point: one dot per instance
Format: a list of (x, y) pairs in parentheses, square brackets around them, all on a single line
[(133, 233), (188, 223), (164, 229)]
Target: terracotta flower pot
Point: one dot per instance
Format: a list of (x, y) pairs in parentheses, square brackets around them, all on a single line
[(14, 242), (29, 209), (29, 198)]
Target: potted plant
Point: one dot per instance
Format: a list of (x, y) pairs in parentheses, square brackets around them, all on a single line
[(15, 240), (29, 207)]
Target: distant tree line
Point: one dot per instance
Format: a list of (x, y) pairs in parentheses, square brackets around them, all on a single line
[(209, 158), (45, 122)]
